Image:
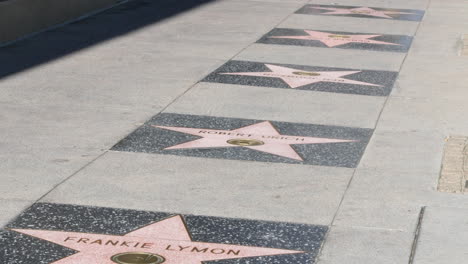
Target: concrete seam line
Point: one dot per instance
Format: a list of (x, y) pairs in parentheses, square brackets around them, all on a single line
[(417, 233)]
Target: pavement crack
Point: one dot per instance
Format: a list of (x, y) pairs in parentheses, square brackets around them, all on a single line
[(417, 232)]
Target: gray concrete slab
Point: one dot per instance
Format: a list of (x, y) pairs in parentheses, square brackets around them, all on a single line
[(365, 246), (55, 126), (379, 211), (133, 92), (11, 208), (238, 101), (378, 198), (350, 24), (117, 62), (202, 29), (447, 43), (425, 114), (443, 199), (267, 191), (44, 144), (443, 236), (230, 7), (391, 200), (44, 170), (230, 21), (434, 69), (438, 82), (162, 39), (358, 59), (381, 180), (404, 151)]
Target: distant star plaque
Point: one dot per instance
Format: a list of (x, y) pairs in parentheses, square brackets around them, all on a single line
[(303, 77), (362, 12), (337, 39)]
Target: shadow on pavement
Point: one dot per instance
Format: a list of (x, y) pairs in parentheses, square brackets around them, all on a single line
[(78, 35)]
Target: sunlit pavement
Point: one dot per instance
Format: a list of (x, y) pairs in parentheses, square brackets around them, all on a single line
[(238, 131)]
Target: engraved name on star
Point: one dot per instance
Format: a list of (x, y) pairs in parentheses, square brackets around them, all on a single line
[(367, 11), (332, 39), (297, 78), (273, 142), (168, 238)]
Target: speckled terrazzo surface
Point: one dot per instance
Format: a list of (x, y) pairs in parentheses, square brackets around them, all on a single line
[(150, 139), (22, 249), (385, 79), (403, 42)]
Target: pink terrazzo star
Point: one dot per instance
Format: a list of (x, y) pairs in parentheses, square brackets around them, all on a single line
[(168, 238), (367, 11), (273, 142), (297, 78), (332, 40)]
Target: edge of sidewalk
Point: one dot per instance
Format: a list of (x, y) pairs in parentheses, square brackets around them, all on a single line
[(20, 19)]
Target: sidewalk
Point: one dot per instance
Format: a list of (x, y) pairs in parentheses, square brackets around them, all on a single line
[(241, 131)]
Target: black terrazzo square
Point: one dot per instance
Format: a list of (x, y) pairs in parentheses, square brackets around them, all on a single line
[(247, 139), (68, 234), (362, 11), (311, 78), (337, 39)]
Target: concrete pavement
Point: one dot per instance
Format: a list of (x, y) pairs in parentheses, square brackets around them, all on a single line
[(322, 142)]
